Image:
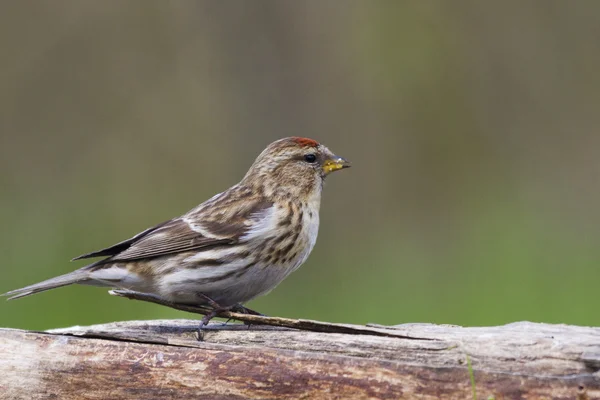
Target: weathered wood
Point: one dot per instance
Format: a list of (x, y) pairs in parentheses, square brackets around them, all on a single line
[(163, 360)]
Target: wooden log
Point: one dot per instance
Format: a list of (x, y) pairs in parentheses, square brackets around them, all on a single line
[(163, 360)]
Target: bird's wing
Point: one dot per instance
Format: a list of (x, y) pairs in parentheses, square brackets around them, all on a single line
[(209, 225), (121, 246)]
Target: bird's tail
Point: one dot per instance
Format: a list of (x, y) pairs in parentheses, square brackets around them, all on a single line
[(78, 276)]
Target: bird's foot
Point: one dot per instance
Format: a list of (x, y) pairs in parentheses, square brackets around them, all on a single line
[(217, 309), (203, 323)]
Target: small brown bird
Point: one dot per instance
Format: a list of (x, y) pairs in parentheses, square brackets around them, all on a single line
[(236, 246)]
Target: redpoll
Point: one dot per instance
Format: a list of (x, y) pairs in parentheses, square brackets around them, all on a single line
[(234, 247)]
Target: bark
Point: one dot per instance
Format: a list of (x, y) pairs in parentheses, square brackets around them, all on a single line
[(163, 360)]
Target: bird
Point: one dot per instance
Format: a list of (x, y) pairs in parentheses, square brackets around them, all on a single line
[(230, 249)]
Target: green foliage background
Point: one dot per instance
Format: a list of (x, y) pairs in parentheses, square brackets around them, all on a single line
[(472, 127)]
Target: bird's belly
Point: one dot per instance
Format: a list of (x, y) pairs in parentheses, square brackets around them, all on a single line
[(189, 286), (256, 281)]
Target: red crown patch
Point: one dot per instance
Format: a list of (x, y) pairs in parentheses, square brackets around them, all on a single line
[(305, 141)]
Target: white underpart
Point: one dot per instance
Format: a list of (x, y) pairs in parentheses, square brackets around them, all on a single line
[(311, 228), (119, 277)]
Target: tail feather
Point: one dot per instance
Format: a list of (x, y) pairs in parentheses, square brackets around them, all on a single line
[(78, 276)]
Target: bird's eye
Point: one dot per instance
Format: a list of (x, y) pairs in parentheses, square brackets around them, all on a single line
[(310, 158)]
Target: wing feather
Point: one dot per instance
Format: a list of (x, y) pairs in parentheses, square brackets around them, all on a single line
[(121, 246), (220, 223), (175, 237)]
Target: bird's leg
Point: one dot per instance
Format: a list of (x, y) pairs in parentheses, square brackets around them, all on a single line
[(217, 308), (210, 301), (203, 322)]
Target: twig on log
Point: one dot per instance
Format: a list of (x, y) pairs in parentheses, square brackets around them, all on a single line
[(302, 324)]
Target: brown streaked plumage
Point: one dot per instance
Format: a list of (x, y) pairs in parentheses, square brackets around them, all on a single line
[(233, 247)]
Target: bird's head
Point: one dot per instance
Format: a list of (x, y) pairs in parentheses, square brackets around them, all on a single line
[(294, 165)]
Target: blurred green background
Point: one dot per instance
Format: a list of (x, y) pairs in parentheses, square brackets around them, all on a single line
[(472, 127)]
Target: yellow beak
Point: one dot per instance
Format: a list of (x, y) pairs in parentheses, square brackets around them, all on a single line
[(335, 164)]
